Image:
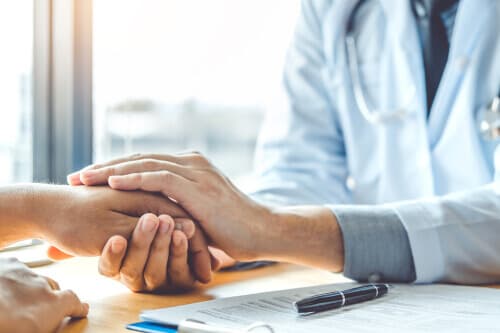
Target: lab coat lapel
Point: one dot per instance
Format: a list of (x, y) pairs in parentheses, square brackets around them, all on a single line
[(405, 63), (405, 150), (471, 21)]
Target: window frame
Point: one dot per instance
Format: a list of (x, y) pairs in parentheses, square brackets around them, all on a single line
[(62, 88)]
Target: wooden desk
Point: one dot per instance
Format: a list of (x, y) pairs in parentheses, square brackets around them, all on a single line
[(112, 306)]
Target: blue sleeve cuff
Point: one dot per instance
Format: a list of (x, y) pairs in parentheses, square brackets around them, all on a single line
[(376, 244)]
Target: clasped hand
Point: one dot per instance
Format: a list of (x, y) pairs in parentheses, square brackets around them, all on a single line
[(158, 257)]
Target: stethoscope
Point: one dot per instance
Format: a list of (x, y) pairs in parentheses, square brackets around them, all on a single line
[(489, 116)]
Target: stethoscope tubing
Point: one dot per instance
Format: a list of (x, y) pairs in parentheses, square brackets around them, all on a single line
[(490, 128)]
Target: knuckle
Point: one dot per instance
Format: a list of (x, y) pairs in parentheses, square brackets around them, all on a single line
[(94, 167), (70, 294), (41, 283), (166, 177), (211, 189), (195, 153), (183, 283), (197, 158), (139, 245), (200, 159), (131, 273), (133, 285), (154, 280), (136, 177), (175, 273), (105, 271), (135, 156), (149, 163), (49, 295), (110, 171), (159, 246), (214, 175)]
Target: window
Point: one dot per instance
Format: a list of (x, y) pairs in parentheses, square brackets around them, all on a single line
[(16, 67), (171, 76)]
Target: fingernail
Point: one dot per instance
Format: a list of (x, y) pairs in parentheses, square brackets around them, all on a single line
[(164, 226), (73, 178), (116, 247), (74, 175), (178, 226), (148, 225)]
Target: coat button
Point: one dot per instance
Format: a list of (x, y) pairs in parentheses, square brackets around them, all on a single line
[(350, 183)]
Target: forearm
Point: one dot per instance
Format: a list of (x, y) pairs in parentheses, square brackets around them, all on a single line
[(308, 235), (16, 213), (26, 210)]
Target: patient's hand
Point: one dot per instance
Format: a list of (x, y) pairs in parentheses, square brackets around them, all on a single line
[(33, 303), (79, 220), (162, 255)]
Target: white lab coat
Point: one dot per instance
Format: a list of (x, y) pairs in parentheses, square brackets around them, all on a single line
[(437, 173)]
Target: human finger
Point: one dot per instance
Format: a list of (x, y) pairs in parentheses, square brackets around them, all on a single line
[(222, 258), (131, 272), (74, 179), (75, 176), (170, 184), (100, 175), (215, 262), (112, 256), (186, 158), (200, 260), (137, 203), (198, 250), (179, 272), (186, 226), (70, 304), (155, 272)]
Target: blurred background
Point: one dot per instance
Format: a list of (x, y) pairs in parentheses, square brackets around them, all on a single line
[(86, 81)]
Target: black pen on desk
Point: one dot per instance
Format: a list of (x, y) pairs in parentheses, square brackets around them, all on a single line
[(338, 299)]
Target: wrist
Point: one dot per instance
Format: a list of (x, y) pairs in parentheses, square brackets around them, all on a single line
[(46, 203), (304, 235), (17, 220)]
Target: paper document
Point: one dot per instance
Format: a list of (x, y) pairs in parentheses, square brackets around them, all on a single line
[(408, 308)]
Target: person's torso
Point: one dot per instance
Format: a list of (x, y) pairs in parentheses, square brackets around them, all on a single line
[(413, 157)]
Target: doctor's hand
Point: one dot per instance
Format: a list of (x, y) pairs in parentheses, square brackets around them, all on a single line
[(163, 255), (232, 221), (32, 303)]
